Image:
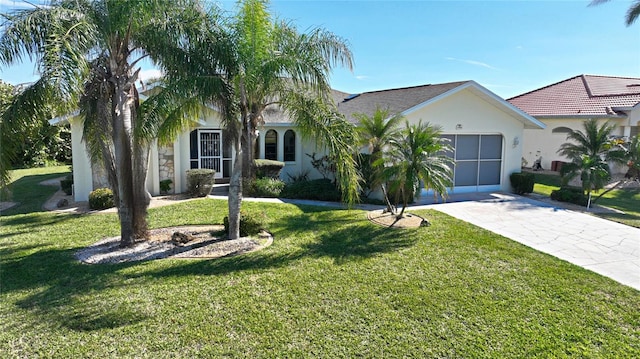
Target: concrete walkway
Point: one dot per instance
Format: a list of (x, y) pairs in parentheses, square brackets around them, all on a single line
[(605, 247)]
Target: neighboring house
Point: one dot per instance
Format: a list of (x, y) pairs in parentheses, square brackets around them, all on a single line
[(564, 106), (484, 129)]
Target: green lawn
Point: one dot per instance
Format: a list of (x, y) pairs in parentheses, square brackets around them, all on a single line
[(332, 285), (25, 188), (627, 201)]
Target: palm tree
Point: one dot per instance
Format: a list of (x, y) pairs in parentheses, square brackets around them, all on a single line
[(418, 155), (87, 52), (632, 155), (376, 132), (632, 13), (589, 153), (274, 65)]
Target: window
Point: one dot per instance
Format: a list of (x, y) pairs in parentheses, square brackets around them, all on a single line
[(289, 145), (561, 130), (271, 145)]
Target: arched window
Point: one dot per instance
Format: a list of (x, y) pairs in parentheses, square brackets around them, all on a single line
[(271, 145), (561, 130), (289, 145)]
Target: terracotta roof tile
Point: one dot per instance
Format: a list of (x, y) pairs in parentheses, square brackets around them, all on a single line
[(583, 95)]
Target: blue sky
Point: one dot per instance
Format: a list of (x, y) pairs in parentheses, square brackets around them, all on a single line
[(510, 47)]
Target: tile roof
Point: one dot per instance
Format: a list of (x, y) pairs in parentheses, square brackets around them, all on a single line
[(582, 95)]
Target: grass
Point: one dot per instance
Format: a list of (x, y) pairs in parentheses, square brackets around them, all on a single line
[(332, 285), (625, 200), (26, 189)]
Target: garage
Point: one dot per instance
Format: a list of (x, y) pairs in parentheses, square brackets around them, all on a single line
[(478, 162)]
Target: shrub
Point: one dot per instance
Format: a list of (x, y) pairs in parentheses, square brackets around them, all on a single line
[(301, 176), (251, 223), (101, 198), (268, 168), (570, 195), (165, 186), (522, 182), (200, 181), (363, 161), (67, 184), (265, 187), (320, 189)]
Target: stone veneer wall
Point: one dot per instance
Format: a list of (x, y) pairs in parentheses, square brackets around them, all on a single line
[(166, 165)]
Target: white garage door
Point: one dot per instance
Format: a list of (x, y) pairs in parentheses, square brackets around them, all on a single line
[(478, 160)]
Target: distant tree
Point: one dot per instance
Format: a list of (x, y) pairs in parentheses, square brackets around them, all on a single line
[(417, 156), (589, 153), (632, 156), (631, 151), (632, 13)]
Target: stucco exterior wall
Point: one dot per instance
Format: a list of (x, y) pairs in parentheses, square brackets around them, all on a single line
[(546, 143), (466, 113)]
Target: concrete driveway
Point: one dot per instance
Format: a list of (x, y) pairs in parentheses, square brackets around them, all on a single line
[(605, 247)]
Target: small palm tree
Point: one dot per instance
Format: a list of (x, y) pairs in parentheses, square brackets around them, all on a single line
[(589, 153), (416, 156), (632, 155), (376, 132)]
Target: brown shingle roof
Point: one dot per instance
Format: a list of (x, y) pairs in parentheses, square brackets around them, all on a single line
[(583, 95), (395, 100)]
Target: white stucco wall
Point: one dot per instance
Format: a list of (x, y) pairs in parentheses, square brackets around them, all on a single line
[(545, 143), (466, 113), (82, 175)]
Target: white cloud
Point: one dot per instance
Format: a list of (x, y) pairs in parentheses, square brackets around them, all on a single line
[(362, 77), (149, 74), (472, 62)]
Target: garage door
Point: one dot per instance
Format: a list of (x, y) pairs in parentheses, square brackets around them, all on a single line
[(478, 160)]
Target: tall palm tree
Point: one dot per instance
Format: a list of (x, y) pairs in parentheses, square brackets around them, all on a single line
[(632, 13), (87, 53), (376, 132), (274, 65), (589, 153), (418, 155)]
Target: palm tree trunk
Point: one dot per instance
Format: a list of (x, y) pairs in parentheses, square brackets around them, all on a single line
[(141, 197), (122, 133), (235, 193), (248, 141), (404, 203), (390, 208)]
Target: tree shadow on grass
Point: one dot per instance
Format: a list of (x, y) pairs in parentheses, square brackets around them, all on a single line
[(56, 285), (316, 234), (53, 285)]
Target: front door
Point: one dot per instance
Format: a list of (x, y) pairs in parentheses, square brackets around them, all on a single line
[(210, 146)]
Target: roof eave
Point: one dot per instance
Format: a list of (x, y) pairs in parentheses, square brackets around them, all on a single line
[(579, 116)]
